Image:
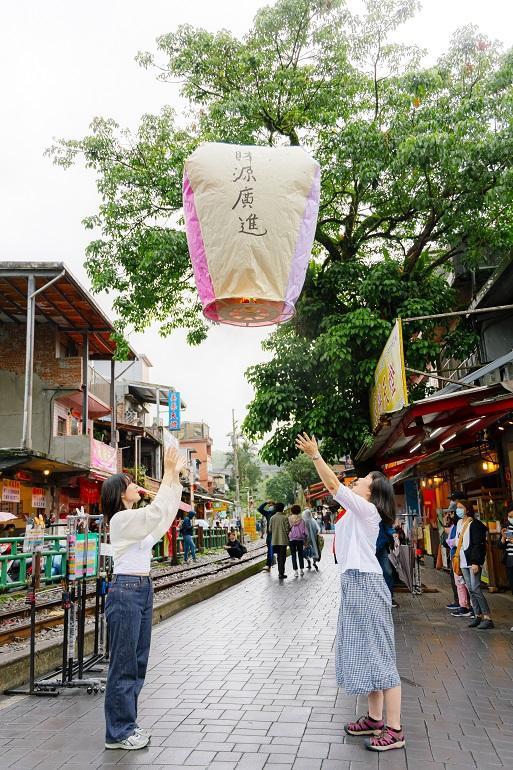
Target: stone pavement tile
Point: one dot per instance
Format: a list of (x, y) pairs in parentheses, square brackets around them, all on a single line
[(216, 746), (227, 756), (334, 764), (423, 764), (358, 753), (280, 766), (452, 755), (247, 747), (252, 761), (291, 730), (307, 764), (215, 765), (199, 757), (484, 758), (172, 755), (241, 736), (182, 740), (314, 750)]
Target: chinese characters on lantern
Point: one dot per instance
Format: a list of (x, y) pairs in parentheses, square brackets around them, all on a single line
[(249, 221)]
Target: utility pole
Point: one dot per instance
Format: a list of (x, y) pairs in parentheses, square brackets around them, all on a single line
[(235, 448)]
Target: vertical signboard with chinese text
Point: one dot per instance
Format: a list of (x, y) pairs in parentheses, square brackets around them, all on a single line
[(388, 393), (173, 402)]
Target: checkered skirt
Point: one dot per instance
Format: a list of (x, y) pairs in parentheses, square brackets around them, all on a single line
[(365, 647)]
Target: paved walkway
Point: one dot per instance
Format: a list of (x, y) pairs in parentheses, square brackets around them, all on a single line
[(245, 681)]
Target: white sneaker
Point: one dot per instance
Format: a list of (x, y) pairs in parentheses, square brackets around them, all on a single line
[(301, 572), (142, 731), (132, 743), (296, 573)]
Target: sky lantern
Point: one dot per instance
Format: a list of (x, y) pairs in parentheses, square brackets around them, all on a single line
[(250, 215)]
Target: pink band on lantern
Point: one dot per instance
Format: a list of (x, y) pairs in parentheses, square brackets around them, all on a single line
[(196, 245), (305, 241)]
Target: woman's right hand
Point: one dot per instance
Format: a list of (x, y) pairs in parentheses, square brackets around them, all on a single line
[(174, 463)]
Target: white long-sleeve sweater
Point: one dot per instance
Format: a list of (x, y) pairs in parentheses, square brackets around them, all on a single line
[(132, 526)]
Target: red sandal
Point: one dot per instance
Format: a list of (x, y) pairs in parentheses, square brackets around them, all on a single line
[(386, 740), (365, 726)]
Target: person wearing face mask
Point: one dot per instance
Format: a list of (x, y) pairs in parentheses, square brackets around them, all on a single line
[(129, 607), (506, 544), (365, 660), (455, 523), (471, 547)]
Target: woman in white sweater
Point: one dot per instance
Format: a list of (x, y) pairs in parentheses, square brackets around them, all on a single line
[(129, 609)]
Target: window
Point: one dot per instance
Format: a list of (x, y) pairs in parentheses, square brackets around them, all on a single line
[(74, 426), (62, 426)]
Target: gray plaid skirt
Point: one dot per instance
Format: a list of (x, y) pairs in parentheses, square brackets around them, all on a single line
[(365, 647)]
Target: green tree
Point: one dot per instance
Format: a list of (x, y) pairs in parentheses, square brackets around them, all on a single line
[(281, 488), (250, 472), (416, 173)]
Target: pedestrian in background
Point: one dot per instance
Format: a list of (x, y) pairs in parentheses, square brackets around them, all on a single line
[(463, 599), (471, 550), (311, 552), (297, 537), (365, 659), (506, 543), (267, 511), (384, 543), (280, 528), (187, 531)]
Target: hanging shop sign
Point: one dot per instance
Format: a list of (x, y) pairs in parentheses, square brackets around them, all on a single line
[(388, 393), (173, 402), (10, 491), (38, 497), (250, 216)]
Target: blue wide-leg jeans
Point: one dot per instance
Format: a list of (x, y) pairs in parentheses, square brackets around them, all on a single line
[(129, 619)]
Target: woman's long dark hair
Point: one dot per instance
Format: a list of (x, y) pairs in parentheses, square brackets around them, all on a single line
[(382, 495), (112, 489)]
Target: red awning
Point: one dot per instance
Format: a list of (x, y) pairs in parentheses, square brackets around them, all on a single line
[(446, 421)]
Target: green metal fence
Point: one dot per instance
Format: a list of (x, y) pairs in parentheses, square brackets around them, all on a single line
[(14, 566)]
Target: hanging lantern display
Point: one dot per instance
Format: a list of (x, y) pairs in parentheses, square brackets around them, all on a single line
[(250, 215)]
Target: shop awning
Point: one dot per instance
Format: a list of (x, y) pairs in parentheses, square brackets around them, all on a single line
[(442, 422), (146, 392), (64, 304)]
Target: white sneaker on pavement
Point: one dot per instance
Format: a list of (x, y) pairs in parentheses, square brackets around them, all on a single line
[(132, 743), (296, 573), (302, 572)]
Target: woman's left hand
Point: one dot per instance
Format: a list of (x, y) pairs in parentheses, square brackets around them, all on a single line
[(307, 445), (474, 568)]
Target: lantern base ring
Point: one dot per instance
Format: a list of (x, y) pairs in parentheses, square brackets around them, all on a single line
[(248, 311)]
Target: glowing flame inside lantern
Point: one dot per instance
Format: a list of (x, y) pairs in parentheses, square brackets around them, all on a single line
[(250, 216)]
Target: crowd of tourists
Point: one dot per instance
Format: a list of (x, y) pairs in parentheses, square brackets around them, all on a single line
[(296, 530)]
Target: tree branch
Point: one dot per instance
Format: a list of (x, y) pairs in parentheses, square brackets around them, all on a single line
[(328, 243)]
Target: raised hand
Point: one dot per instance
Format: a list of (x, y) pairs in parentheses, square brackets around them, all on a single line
[(174, 463), (307, 445)]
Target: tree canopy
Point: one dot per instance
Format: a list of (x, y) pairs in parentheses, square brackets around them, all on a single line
[(416, 166)]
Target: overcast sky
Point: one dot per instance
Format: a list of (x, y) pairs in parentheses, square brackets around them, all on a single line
[(63, 63)]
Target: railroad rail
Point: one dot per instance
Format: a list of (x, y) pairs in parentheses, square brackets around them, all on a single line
[(162, 581)]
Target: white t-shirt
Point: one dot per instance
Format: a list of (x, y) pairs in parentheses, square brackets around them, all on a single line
[(356, 533)]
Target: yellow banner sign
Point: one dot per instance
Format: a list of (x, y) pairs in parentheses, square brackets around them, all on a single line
[(389, 393)]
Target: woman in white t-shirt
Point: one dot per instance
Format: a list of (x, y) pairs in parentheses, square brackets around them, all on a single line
[(365, 659), (129, 607)]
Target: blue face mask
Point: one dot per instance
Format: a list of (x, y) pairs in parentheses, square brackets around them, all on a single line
[(460, 513)]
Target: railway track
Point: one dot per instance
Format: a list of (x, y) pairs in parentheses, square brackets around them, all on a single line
[(12, 631)]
